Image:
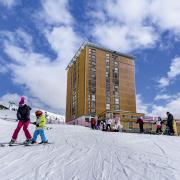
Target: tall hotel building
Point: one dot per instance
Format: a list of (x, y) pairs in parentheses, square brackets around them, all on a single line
[(99, 80)]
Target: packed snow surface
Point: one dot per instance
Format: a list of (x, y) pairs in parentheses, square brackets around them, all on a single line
[(79, 153)]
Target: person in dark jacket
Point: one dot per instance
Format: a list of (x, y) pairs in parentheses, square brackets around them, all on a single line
[(170, 123), (23, 115), (140, 121), (93, 123)]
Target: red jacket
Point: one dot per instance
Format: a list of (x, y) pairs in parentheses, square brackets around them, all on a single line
[(93, 121), (140, 121)]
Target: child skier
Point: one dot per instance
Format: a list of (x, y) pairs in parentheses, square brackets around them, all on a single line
[(40, 125), (117, 125), (108, 124), (158, 125)]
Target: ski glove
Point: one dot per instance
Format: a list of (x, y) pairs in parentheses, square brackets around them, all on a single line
[(34, 123), (37, 125)]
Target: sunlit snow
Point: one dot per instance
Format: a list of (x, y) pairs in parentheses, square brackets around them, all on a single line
[(79, 153)]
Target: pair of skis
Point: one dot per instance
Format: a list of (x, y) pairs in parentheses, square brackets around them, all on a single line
[(2, 145), (19, 144), (35, 144)]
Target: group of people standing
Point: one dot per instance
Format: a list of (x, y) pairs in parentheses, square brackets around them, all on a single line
[(169, 125), (107, 125), (115, 124), (23, 116)]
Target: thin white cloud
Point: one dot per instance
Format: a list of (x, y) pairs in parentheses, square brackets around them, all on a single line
[(128, 25), (174, 68), (172, 106), (169, 103), (172, 74), (64, 42), (159, 111), (59, 28), (3, 66), (163, 82), (19, 37), (23, 38), (162, 97), (56, 12), (124, 38), (8, 97), (166, 14), (8, 3), (41, 77), (130, 12), (140, 105), (3, 69), (122, 27)]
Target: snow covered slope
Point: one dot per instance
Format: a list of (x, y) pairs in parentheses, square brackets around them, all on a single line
[(51, 117), (56, 118), (85, 154), (8, 115)]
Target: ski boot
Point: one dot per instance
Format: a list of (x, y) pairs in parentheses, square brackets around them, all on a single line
[(11, 142), (27, 142), (45, 142), (33, 142)]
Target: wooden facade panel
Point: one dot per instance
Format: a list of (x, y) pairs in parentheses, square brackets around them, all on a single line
[(69, 95), (125, 60), (127, 85), (81, 83)]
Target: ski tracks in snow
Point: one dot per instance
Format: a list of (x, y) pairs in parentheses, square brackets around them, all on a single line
[(80, 153)]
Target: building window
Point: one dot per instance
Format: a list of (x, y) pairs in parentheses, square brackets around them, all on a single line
[(116, 101), (116, 107), (130, 124), (108, 106), (93, 97), (92, 81), (107, 75)]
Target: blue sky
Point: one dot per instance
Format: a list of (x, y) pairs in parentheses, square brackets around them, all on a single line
[(39, 38)]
